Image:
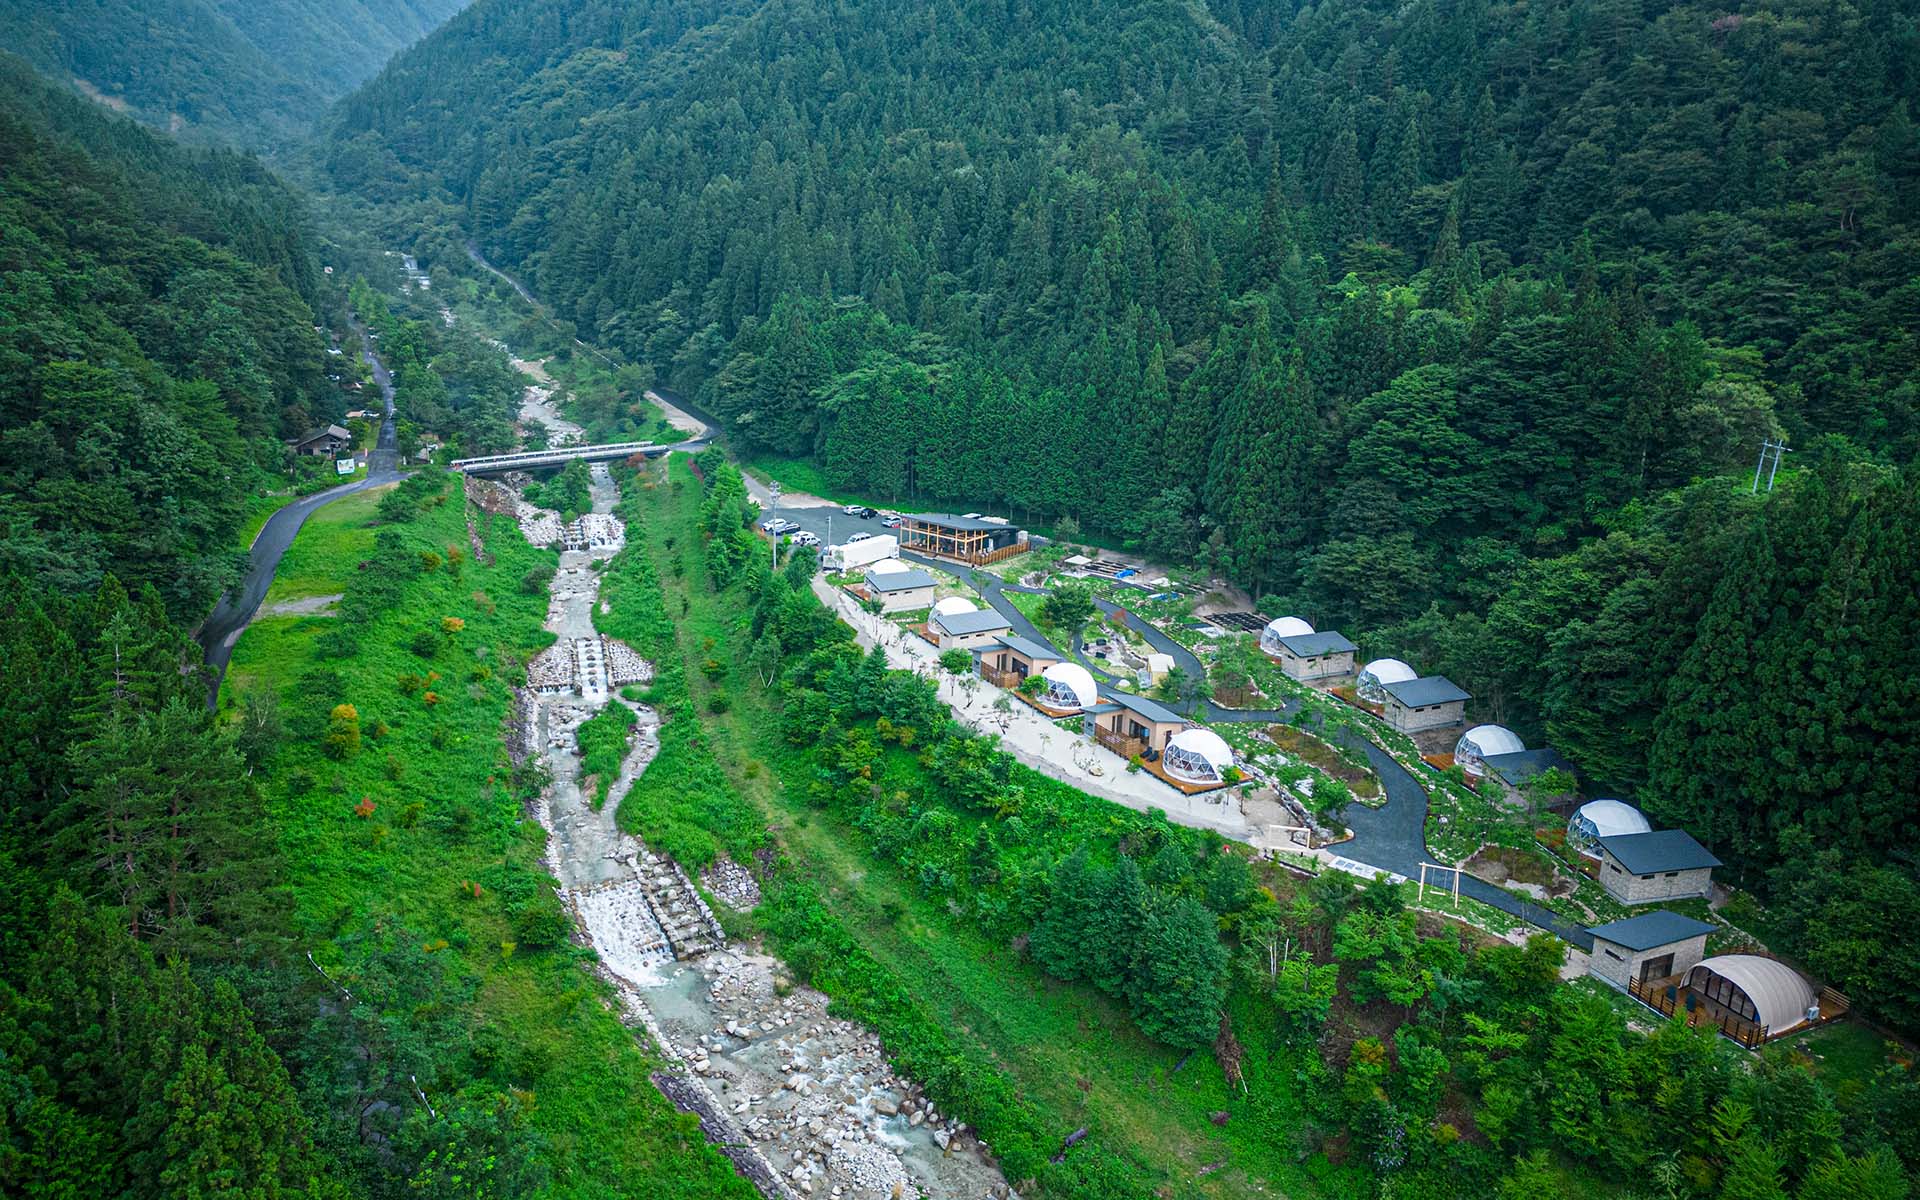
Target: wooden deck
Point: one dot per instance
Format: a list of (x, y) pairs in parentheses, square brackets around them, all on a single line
[(1126, 747), (1185, 787)]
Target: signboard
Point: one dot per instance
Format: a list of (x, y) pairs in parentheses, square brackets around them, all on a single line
[(344, 467)]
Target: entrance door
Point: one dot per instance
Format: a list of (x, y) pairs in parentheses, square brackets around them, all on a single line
[(1656, 968)]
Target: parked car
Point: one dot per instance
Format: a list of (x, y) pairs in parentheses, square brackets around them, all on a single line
[(852, 510), (867, 514), (893, 522), (778, 525), (803, 538), (858, 537)]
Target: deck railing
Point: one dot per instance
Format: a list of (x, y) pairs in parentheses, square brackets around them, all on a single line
[(1007, 679), (1120, 743)]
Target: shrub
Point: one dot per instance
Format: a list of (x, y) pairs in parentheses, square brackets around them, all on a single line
[(429, 561), (425, 644), (535, 581), (343, 731), (451, 625), (719, 702), (956, 662)]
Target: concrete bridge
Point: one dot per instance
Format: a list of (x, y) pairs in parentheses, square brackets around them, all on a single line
[(557, 456)]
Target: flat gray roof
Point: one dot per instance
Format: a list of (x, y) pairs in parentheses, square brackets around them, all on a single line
[(950, 521), (1145, 707), (1029, 647), (983, 620), (1644, 932), (1660, 850), (899, 581), (1522, 765), (1313, 645), (1428, 689)]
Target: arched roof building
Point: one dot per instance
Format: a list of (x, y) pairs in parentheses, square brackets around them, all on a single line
[(1765, 991)]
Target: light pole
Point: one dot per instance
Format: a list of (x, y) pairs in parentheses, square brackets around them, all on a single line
[(773, 539)]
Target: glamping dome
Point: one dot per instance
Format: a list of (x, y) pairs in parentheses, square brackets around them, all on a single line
[(1603, 818), (1482, 740), (1198, 756), (1764, 991), (887, 566), (1069, 685), (1376, 675), (1281, 627), (952, 605)]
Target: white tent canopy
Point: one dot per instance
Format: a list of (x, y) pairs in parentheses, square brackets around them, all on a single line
[(1069, 685), (887, 566), (1604, 818), (952, 605), (1282, 627), (1376, 675), (1480, 741), (1777, 995), (1198, 756)]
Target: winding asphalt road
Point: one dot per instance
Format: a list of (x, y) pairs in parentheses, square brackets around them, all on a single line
[(229, 618)]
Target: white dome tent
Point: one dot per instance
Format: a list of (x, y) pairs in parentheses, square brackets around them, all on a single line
[(1198, 756), (887, 566), (1069, 685), (1371, 684), (1282, 627), (1603, 818), (1483, 740), (953, 605)]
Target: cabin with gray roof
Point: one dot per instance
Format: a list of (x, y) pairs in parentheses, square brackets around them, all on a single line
[(1128, 724), (901, 591), (1648, 948), (1310, 656), (1665, 864), (966, 630), (1429, 702), (1010, 658), (323, 442)]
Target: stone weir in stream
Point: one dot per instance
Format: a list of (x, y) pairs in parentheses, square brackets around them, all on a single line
[(803, 1103)]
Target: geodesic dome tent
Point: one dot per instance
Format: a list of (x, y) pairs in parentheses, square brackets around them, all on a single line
[(1371, 683), (1603, 818), (887, 566), (1482, 740), (1281, 627), (1069, 685), (1198, 756), (952, 605)]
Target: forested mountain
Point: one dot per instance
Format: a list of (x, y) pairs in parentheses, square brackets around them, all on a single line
[(154, 347), (1455, 325), (256, 72)]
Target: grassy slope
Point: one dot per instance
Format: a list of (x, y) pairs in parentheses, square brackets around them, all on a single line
[(1070, 1052), (331, 543), (610, 1133)]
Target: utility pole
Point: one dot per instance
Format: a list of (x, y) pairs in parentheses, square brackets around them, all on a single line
[(1769, 449), (773, 539)]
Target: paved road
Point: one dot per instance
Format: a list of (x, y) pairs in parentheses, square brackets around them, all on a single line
[(223, 626)]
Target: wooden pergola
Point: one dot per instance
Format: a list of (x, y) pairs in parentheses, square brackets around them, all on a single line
[(964, 539)]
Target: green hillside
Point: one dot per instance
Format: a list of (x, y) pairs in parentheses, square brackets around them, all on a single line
[(255, 72)]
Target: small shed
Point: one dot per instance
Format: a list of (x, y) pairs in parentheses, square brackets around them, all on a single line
[(1430, 702), (1666, 864), (323, 442), (1308, 656), (900, 591), (1648, 948), (1516, 769), (970, 630), (1011, 658)]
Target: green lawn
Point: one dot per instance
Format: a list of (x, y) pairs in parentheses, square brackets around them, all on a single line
[(331, 544), (422, 835)]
